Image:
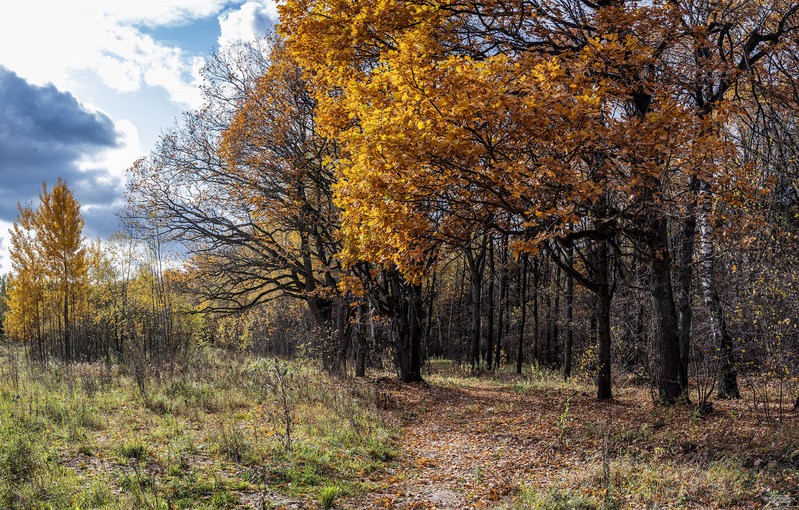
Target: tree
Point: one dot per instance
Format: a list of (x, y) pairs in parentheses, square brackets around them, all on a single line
[(4, 289), (243, 184), (59, 228), (569, 122), (49, 266), (23, 319)]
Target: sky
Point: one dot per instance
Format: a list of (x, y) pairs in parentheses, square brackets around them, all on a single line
[(87, 86)]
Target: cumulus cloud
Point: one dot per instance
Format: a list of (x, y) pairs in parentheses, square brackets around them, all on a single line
[(247, 23), (45, 134), (54, 39)]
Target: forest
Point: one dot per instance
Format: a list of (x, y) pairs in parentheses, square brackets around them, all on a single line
[(432, 254)]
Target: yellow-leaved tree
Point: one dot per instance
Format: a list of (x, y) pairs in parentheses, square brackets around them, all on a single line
[(567, 125), (49, 271)]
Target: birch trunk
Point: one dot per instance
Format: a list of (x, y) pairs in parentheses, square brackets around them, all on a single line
[(728, 374)]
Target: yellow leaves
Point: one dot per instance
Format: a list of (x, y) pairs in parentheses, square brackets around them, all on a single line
[(48, 256), (423, 118)]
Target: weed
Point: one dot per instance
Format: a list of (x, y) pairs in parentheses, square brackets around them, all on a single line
[(554, 499), (50, 422), (231, 443), (132, 450), (18, 458), (328, 495)]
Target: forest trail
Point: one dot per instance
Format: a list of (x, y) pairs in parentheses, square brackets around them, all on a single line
[(471, 445)]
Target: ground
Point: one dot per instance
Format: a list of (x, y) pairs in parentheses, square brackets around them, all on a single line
[(469, 442), (211, 434)]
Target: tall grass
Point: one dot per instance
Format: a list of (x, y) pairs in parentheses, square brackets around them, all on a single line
[(209, 433)]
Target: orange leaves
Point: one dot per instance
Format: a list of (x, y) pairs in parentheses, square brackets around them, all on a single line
[(447, 124), (424, 462)]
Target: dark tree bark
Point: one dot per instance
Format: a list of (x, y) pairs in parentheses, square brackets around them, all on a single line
[(554, 322), (567, 348), (665, 314), (408, 323), (360, 353), (476, 261), (523, 302), (503, 298), (601, 269), (342, 335), (544, 351), (490, 307), (597, 279)]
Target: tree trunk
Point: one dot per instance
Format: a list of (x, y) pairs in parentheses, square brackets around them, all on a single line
[(601, 269), (360, 353), (728, 374), (567, 348), (342, 335), (554, 347), (503, 299), (490, 306), (407, 323), (476, 263), (67, 346), (685, 268), (523, 302), (665, 314), (543, 353), (476, 302)]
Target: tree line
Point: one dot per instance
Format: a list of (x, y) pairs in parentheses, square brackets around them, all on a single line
[(588, 186)]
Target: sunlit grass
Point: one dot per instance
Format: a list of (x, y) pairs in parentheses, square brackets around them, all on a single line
[(207, 435)]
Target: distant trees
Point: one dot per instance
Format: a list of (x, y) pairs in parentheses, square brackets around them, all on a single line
[(76, 300), (49, 263), (4, 288)]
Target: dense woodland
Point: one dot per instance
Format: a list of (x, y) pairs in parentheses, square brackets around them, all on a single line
[(604, 188), (605, 191)]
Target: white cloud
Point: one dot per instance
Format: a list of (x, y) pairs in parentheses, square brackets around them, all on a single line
[(117, 160), (249, 22), (163, 12), (5, 261), (53, 39)]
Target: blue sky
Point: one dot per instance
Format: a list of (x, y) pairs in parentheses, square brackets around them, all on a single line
[(86, 87)]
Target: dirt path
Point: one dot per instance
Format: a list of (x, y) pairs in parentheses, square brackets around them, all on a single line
[(478, 443), (470, 446)]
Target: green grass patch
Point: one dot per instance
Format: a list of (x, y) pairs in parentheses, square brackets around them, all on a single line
[(204, 435)]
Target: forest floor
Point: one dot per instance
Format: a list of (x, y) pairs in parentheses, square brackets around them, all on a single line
[(538, 442), (210, 433)]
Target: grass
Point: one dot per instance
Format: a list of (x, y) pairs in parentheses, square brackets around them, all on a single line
[(210, 435)]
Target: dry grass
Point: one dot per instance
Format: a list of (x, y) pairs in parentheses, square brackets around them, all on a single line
[(209, 433)]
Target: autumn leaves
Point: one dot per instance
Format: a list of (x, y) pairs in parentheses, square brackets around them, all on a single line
[(50, 267), (568, 125)]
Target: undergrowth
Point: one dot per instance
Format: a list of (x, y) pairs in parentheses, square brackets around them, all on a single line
[(210, 433)]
